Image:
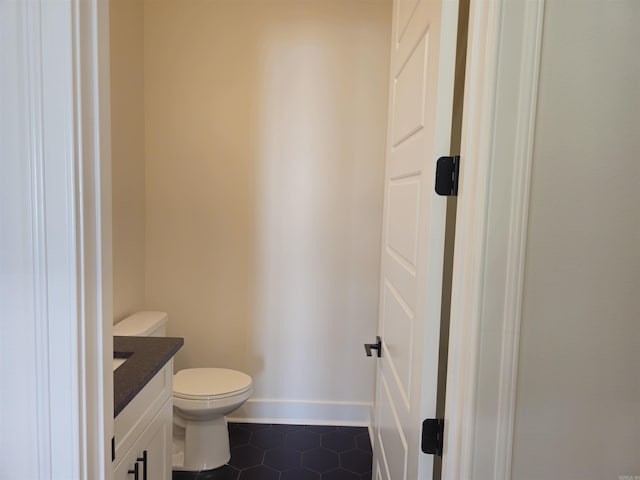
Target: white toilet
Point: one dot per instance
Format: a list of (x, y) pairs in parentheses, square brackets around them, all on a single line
[(202, 397)]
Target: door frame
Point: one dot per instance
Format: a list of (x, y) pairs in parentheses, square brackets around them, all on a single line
[(66, 133), (501, 87), (91, 62), (498, 125)]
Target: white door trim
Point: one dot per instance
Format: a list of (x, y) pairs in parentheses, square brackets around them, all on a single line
[(502, 73), (93, 230), (56, 297)]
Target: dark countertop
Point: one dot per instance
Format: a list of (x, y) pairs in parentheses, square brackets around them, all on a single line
[(146, 356)]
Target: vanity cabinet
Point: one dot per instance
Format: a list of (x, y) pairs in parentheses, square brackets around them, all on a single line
[(143, 432), (151, 453)]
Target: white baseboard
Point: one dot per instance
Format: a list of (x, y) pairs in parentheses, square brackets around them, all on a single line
[(303, 412)]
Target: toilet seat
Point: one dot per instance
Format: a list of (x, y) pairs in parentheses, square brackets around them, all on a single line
[(209, 383)]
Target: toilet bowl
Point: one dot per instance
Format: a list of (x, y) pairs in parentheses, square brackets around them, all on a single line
[(202, 397)]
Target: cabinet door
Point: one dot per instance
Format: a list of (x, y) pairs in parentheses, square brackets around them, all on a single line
[(129, 425), (156, 441)]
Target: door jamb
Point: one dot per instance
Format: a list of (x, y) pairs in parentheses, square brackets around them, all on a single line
[(93, 232), (501, 89)]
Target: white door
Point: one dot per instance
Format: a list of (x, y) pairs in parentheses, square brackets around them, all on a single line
[(419, 129)]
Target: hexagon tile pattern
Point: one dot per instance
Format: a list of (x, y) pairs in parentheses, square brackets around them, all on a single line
[(292, 452)]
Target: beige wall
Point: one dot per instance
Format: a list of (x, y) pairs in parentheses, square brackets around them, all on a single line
[(127, 135), (265, 139), (578, 397)]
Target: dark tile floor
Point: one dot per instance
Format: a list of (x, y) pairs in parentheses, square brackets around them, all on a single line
[(292, 452)]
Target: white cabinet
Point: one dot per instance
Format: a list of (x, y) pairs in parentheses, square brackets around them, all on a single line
[(143, 432), (151, 451)]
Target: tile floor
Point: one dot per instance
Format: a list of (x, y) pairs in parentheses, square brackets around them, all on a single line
[(292, 452)]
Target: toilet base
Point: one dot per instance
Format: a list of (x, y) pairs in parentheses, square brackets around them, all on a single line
[(202, 445)]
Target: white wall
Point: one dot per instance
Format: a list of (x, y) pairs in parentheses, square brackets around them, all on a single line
[(127, 145), (265, 140), (578, 397)]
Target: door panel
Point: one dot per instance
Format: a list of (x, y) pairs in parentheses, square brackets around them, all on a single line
[(407, 157), (402, 231), (413, 240), (409, 94), (396, 338), (392, 437), (405, 9)]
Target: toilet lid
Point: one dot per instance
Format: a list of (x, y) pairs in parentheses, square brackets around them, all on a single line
[(209, 382)]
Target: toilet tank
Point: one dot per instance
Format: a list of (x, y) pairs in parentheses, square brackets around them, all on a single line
[(142, 324)]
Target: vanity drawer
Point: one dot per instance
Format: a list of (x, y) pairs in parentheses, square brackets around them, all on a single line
[(135, 417)]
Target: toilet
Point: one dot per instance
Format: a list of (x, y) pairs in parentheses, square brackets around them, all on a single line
[(202, 398)]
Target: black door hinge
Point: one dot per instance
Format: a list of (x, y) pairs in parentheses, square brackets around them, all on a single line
[(113, 448), (432, 436), (447, 173)]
